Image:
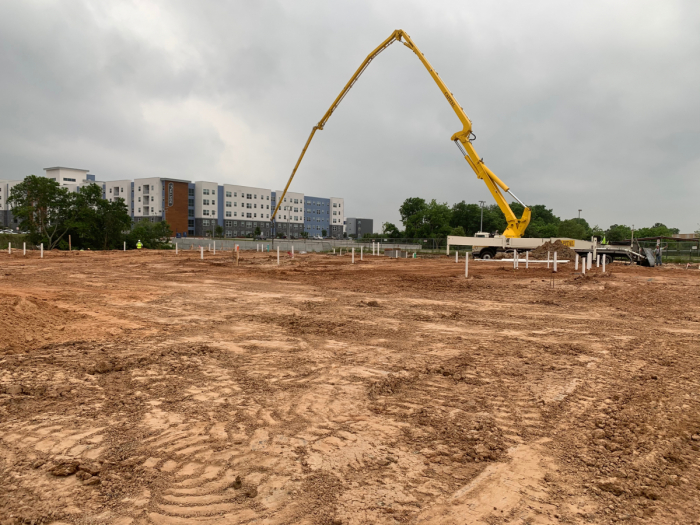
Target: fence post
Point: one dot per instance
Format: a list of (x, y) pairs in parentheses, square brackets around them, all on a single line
[(555, 262), (42, 250), (466, 265)]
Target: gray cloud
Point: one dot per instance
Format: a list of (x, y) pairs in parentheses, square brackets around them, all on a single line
[(576, 105)]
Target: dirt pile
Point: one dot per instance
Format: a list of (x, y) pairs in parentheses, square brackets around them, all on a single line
[(563, 252)]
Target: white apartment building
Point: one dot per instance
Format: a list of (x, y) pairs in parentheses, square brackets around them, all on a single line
[(206, 207), (120, 189), (67, 176), (290, 217), (246, 202), (337, 218), (6, 218), (149, 199), (246, 209)]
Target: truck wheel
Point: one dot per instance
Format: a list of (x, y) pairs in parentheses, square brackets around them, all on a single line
[(608, 259), (487, 254)]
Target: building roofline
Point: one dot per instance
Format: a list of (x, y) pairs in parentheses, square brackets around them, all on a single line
[(65, 168)]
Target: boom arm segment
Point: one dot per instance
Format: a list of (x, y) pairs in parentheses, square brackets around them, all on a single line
[(463, 139)]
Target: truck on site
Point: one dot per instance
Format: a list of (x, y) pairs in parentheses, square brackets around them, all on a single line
[(485, 246)]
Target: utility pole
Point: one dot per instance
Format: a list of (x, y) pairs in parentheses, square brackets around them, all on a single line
[(481, 228), (579, 213)]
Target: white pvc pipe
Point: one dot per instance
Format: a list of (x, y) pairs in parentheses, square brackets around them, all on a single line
[(42, 250), (603, 263), (515, 259), (24, 248), (9, 248), (124, 245), (456, 256), (201, 252), (361, 256), (353, 255), (278, 255), (583, 267), (527, 260), (576, 264), (466, 265), (176, 252), (555, 262), (590, 261), (214, 247), (597, 261), (547, 260), (292, 251)]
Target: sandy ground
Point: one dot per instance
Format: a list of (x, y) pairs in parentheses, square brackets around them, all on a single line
[(154, 388)]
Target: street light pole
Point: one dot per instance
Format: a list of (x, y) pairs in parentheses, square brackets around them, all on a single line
[(579, 213), (481, 228)]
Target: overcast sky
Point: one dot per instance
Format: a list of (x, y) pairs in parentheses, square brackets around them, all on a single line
[(592, 105)]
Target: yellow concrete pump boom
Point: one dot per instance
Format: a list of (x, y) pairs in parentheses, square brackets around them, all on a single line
[(463, 139)]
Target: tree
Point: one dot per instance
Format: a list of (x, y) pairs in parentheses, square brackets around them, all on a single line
[(618, 232), (657, 230), (153, 235), (43, 208), (219, 231), (458, 231), (324, 233), (304, 235), (574, 229), (423, 219), (98, 223), (390, 230)]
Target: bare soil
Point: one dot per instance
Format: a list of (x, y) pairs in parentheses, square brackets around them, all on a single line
[(149, 387)]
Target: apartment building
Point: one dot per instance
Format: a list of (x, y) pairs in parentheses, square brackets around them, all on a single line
[(198, 208), (290, 217), (7, 220), (120, 189), (356, 227), (245, 210), (317, 214), (337, 217)]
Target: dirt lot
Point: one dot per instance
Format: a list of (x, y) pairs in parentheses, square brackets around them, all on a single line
[(154, 388)]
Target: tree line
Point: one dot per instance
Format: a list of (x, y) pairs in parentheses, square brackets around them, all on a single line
[(432, 219), (50, 213)]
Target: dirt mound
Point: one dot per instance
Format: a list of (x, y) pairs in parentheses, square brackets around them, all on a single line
[(563, 252)]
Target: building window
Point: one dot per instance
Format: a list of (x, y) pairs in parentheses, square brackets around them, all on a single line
[(213, 202), (205, 202), (190, 213), (248, 205), (139, 210), (205, 191), (228, 204), (268, 215), (228, 214), (206, 212), (248, 196), (228, 193), (248, 215), (268, 198), (205, 222), (235, 194), (255, 196), (190, 202), (151, 210), (190, 192), (213, 213), (190, 223), (235, 214), (139, 199), (228, 224)]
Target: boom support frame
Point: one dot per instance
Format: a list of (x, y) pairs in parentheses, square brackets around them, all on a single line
[(463, 139)]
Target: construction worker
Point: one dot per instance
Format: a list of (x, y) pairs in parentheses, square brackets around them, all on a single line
[(139, 245), (658, 252)]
